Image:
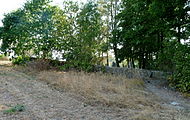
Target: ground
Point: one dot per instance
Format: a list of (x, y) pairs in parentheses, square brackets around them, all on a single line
[(42, 102)]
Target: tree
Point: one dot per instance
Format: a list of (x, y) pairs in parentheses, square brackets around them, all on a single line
[(83, 53), (40, 15), (136, 36), (34, 29), (14, 32), (146, 26)]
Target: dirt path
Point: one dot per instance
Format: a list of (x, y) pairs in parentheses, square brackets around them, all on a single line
[(44, 103), (169, 97)]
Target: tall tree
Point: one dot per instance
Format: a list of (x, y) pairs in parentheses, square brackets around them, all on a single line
[(14, 32), (89, 30)]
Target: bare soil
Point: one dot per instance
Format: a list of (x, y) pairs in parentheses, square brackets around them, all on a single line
[(42, 102)]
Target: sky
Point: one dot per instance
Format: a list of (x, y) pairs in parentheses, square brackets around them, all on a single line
[(6, 6)]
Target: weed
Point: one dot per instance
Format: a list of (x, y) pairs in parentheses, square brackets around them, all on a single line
[(17, 108)]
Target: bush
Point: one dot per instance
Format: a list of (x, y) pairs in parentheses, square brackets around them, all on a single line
[(81, 66), (181, 77), (176, 58), (21, 60), (39, 64), (2, 56), (82, 61)]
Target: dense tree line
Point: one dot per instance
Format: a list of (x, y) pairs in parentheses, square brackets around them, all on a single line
[(149, 34), (156, 34), (147, 27)]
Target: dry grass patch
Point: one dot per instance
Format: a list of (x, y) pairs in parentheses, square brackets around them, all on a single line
[(3, 58), (33, 68), (106, 90), (100, 88), (3, 107), (5, 63)]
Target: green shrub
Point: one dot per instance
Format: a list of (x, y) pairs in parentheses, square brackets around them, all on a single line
[(78, 66), (84, 61), (2, 56), (65, 67), (17, 108), (21, 60), (181, 77), (176, 58)]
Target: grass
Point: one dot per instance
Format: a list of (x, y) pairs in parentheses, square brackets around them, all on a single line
[(95, 88), (101, 88), (98, 89), (17, 108)]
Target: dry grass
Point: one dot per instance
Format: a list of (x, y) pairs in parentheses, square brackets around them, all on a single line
[(5, 63), (100, 88), (96, 88), (3, 107), (2, 58), (33, 67), (125, 97), (108, 90), (105, 89)]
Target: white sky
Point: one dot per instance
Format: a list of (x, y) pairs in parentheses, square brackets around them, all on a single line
[(7, 6)]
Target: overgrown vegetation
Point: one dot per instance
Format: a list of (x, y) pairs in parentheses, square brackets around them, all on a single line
[(20, 60), (181, 77), (147, 34)]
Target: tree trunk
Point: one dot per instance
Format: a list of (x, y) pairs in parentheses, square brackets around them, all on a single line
[(133, 62), (107, 58), (116, 55), (114, 33)]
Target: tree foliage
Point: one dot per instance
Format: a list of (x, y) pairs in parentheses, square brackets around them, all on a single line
[(85, 42), (39, 29), (153, 32)]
